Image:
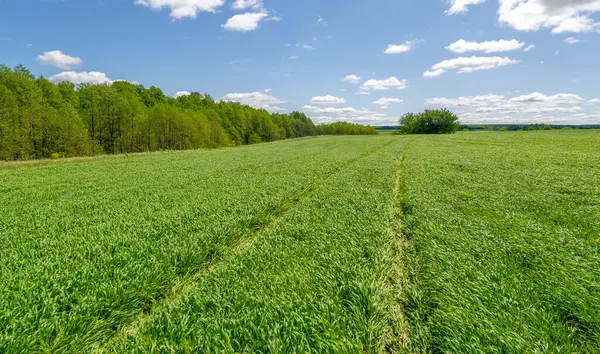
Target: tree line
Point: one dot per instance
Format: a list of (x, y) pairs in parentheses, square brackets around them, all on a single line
[(345, 128), (40, 119)]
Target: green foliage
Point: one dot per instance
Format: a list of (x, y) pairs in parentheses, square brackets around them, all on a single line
[(431, 121), (540, 127), (38, 118), (89, 246), (345, 128), (254, 139), (504, 261), (312, 279), (315, 245)]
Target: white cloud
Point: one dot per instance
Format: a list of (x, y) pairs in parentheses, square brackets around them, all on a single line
[(59, 59), (182, 93), (433, 73), (491, 99), (462, 46), (349, 114), (401, 48), (384, 107), (77, 78), (468, 65), (255, 99), (465, 101), (536, 97), (363, 93), (559, 15), (530, 47), (304, 46), (500, 109), (246, 4), (573, 119), (183, 8), (384, 85), (267, 90), (571, 40), (326, 100), (384, 101), (293, 57), (244, 22), (352, 79), (321, 21), (329, 110), (461, 6), (594, 100)]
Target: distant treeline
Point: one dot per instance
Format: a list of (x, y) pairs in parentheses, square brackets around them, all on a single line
[(39, 119), (505, 127), (515, 127), (344, 128)]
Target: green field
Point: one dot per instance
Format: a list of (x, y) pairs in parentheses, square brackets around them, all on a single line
[(472, 242)]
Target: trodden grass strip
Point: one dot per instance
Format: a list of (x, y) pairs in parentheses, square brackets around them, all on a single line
[(86, 246), (313, 282)]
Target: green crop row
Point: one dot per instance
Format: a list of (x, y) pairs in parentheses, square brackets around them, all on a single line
[(86, 247), (468, 243), (504, 232), (313, 281)]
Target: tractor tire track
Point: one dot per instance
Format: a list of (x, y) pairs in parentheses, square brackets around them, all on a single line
[(241, 244)]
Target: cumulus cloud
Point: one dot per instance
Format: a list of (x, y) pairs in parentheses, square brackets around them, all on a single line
[(352, 79), (462, 46), (326, 100), (433, 73), (247, 4), (349, 114), (331, 110), (547, 118), (244, 22), (524, 108), (559, 15), (461, 6), (384, 101), (183, 8), (59, 59), (384, 85), (401, 48), (536, 97), (571, 40), (182, 93), (468, 65), (594, 100), (465, 101), (77, 78), (255, 99)]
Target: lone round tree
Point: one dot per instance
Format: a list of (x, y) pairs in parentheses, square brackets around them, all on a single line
[(432, 121)]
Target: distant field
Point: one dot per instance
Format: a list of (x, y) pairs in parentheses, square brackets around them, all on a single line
[(474, 242)]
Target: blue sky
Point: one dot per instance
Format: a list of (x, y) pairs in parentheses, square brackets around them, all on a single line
[(494, 61)]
